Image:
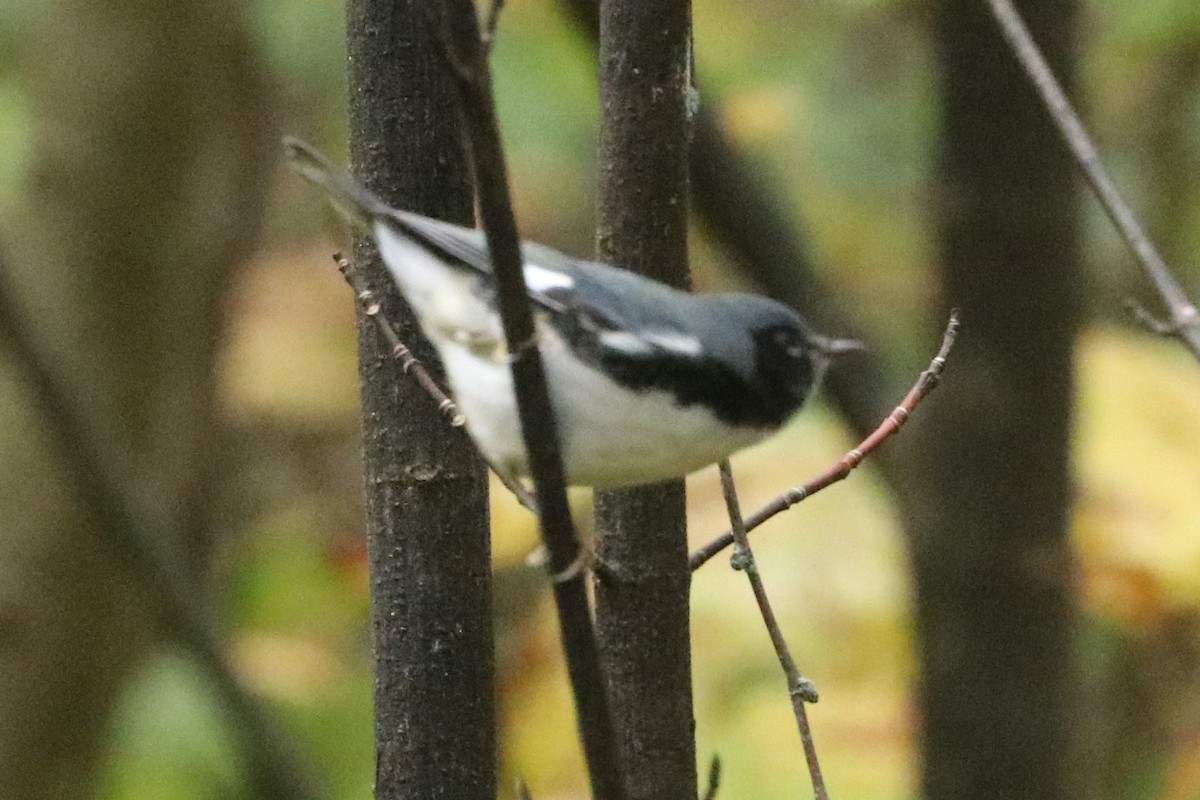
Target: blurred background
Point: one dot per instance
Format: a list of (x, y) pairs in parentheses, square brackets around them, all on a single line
[(182, 284)]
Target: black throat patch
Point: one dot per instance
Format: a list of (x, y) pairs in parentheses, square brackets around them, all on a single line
[(765, 401)]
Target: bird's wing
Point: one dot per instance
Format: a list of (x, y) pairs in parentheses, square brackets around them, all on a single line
[(545, 268), (612, 314), (610, 307)]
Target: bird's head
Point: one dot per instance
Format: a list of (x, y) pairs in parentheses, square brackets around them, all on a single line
[(790, 359)]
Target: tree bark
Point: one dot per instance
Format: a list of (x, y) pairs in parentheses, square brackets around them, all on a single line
[(154, 148), (426, 488), (642, 613), (987, 488)]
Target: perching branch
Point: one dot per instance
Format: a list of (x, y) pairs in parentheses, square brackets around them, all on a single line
[(643, 615), (1183, 321), (800, 688), (411, 365), (847, 463), (454, 23), (141, 534)]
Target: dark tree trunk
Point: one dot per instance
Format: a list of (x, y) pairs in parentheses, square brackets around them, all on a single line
[(642, 614), (426, 490), (154, 152), (987, 471)]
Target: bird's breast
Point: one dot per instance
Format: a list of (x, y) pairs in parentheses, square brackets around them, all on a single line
[(610, 434)]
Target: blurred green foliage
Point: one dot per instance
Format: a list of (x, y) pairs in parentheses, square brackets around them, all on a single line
[(837, 101)]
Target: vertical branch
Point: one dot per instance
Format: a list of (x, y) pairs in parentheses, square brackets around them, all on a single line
[(1183, 320), (466, 59), (426, 489), (642, 611), (800, 688)]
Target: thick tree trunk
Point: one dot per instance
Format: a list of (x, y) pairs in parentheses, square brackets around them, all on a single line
[(987, 474), (154, 148), (642, 613), (426, 489)]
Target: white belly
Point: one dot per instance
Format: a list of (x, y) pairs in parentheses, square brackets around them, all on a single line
[(609, 435)]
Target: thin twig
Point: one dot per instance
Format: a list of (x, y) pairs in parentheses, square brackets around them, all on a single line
[(714, 778), (141, 534), (437, 21), (1183, 322), (800, 689), (847, 463), (488, 35), (1147, 320), (411, 365), (458, 32)]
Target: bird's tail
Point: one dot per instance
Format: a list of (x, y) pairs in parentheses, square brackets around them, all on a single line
[(351, 199)]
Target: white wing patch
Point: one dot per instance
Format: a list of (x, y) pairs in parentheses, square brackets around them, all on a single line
[(645, 343), (625, 342), (541, 279), (675, 342)]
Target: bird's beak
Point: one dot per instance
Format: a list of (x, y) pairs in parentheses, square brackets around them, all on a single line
[(832, 348)]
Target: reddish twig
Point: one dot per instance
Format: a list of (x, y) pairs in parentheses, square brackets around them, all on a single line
[(1183, 322), (411, 365), (842, 469), (800, 689)]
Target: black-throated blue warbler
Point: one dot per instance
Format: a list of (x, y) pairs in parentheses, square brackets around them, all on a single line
[(647, 382)]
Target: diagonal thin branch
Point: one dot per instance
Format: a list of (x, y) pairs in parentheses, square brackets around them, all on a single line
[(1183, 322), (141, 533), (847, 463), (800, 689), (411, 365)]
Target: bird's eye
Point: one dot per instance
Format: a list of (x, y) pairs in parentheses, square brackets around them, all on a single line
[(789, 341)]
